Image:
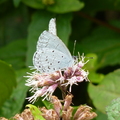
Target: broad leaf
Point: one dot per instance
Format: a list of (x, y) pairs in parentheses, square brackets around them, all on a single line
[(105, 43), (12, 25), (100, 5), (14, 53), (113, 110), (38, 4), (14, 104), (16, 2), (65, 6), (102, 94), (7, 81)]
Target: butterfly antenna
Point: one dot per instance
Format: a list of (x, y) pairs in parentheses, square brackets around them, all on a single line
[(78, 55), (74, 47)]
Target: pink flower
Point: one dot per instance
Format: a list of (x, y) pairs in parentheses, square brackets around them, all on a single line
[(37, 94), (44, 85)]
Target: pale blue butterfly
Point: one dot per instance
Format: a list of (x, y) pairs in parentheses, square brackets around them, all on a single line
[(51, 54)]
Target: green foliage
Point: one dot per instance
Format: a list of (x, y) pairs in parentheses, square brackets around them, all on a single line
[(56, 6), (101, 116), (21, 23), (106, 91), (7, 81), (14, 55), (113, 110), (35, 112), (16, 2), (65, 6), (100, 5), (17, 98)]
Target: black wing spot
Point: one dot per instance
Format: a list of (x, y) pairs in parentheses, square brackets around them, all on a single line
[(53, 51), (62, 56), (48, 67), (46, 60), (50, 63), (58, 61)]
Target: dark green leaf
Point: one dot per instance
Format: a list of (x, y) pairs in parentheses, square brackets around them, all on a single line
[(102, 94), (37, 4), (7, 81), (14, 104), (16, 2), (48, 104), (65, 6), (13, 24), (64, 27), (105, 43), (2, 1), (100, 5), (14, 53)]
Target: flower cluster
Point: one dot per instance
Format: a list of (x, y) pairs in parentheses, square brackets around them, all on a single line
[(43, 85), (59, 111), (65, 111)]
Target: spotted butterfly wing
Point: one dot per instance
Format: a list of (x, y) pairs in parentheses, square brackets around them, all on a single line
[(51, 54)]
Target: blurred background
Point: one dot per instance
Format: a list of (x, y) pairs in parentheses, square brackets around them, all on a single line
[(94, 24)]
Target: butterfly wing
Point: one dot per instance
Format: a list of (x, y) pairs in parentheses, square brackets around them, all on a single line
[(48, 40), (51, 54), (49, 60)]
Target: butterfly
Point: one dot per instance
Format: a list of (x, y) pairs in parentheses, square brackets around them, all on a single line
[(51, 53)]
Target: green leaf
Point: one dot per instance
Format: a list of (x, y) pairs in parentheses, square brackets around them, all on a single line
[(13, 26), (91, 64), (40, 23), (48, 2), (95, 77), (65, 6), (105, 43), (37, 4), (47, 104), (81, 28), (14, 104), (37, 114), (106, 91), (2, 1), (16, 2), (100, 116), (64, 27), (14, 55), (101, 5), (113, 110), (7, 81)]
